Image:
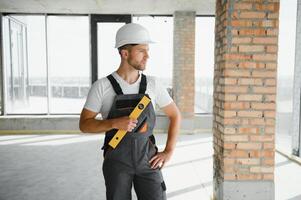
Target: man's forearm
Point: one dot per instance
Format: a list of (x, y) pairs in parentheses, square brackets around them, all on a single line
[(92, 125), (173, 131), (96, 126)]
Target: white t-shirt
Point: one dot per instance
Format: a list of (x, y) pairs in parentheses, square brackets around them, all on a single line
[(101, 95)]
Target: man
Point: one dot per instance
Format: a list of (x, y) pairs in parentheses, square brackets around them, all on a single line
[(135, 160)]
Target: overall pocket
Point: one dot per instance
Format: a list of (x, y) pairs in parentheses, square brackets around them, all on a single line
[(107, 152), (152, 149), (143, 127)]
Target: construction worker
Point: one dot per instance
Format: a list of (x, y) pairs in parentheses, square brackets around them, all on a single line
[(136, 159)]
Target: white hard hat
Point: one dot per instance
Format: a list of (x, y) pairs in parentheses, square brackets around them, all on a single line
[(132, 34)]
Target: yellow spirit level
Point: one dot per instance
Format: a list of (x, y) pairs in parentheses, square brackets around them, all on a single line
[(134, 115)]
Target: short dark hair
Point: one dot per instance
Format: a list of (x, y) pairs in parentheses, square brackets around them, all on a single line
[(126, 47)]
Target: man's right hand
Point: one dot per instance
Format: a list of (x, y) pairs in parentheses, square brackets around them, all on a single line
[(124, 123)]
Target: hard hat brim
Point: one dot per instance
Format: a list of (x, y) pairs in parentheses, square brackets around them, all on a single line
[(122, 43)]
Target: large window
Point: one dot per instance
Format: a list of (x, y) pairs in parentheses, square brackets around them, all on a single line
[(47, 60), (204, 64), (285, 72), (25, 64), (108, 58), (68, 62), (161, 53), (46, 64)]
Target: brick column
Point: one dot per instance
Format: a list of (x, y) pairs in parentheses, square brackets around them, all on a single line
[(183, 70), (246, 45), (296, 139)]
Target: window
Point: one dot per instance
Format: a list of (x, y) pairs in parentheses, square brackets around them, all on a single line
[(108, 56), (45, 72), (204, 64), (25, 64), (161, 53), (68, 62), (285, 74)]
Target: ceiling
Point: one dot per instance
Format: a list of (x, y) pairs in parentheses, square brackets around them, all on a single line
[(156, 7)]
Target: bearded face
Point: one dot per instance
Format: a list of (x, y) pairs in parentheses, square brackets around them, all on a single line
[(138, 56)]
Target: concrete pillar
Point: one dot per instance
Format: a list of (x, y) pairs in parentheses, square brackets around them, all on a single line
[(296, 122), (245, 74), (183, 70)]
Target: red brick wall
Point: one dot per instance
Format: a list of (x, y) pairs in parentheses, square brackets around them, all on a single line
[(183, 72), (246, 45)]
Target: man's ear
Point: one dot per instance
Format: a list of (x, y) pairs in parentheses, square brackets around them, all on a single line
[(124, 53)]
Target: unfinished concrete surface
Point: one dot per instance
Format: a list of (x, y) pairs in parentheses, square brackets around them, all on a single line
[(63, 167), (107, 7)]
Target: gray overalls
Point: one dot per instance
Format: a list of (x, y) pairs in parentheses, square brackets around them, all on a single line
[(128, 163)]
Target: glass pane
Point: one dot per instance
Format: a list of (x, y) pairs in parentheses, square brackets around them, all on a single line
[(7, 62), (69, 65), (285, 73), (25, 67), (204, 64), (107, 56), (161, 53)]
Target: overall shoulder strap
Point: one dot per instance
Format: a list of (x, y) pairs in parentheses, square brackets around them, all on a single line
[(115, 85), (143, 84)]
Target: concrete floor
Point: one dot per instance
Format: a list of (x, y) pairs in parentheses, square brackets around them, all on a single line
[(48, 167)]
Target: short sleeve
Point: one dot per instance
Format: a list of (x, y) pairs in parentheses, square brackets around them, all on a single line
[(162, 96), (93, 102)]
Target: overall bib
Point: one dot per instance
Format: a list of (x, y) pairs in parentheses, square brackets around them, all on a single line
[(128, 164)]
